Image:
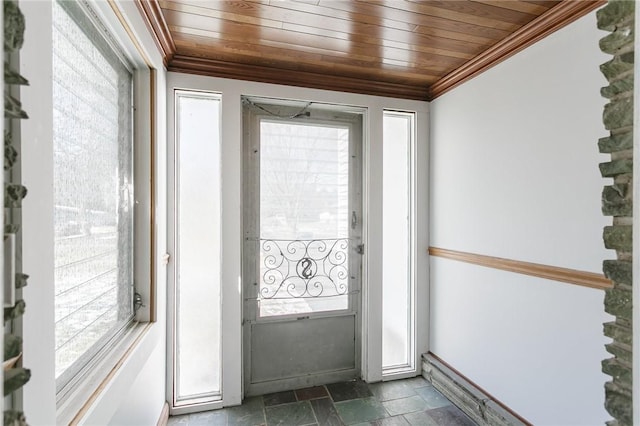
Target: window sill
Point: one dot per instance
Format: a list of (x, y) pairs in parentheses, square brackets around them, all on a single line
[(83, 399)]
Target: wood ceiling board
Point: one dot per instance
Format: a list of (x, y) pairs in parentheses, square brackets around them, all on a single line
[(198, 9), (481, 12), (520, 6), (366, 19), (329, 48), (363, 39), (548, 3), (469, 38), (186, 18), (349, 14), (193, 46), (378, 10), (302, 22), (278, 59), (426, 8), (226, 69), (361, 46)]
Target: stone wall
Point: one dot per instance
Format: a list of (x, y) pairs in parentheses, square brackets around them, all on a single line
[(617, 17)]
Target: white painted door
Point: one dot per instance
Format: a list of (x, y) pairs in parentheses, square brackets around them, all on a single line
[(302, 245)]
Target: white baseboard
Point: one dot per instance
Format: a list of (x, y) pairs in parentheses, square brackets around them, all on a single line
[(164, 415)]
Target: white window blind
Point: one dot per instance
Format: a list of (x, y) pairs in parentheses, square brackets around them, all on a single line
[(93, 190)]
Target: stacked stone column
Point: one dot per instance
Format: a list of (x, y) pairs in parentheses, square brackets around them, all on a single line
[(617, 17)]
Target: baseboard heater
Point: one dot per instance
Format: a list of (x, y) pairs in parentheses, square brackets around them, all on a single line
[(484, 409)]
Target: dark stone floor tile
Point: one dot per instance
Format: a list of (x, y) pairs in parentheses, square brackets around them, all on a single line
[(432, 397), (294, 414), (279, 398), (405, 405), (420, 418), (384, 391), (450, 416), (417, 382), (360, 410), (311, 393), (209, 418), (182, 420), (391, 421), (250, 413), (325, 412), (353, 389)]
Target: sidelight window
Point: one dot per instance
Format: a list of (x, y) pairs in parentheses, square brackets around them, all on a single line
[(398, 316)]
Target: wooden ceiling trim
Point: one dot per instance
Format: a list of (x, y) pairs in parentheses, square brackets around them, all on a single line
[(555, 18), (224, 69), (154, 19)]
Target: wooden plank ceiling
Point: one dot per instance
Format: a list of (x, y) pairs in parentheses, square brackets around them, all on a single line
[(415, 49)]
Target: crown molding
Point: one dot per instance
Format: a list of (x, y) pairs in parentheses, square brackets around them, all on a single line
[(555, 18), (153, 17)]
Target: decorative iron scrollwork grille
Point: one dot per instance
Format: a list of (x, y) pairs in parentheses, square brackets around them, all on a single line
[(298, 269)]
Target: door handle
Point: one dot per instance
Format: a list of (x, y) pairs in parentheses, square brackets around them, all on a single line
[(354, 219), (360, 248)]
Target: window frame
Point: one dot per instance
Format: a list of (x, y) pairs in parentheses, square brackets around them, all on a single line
[(210, 399), (84, 18), (74, 399), (411, 366)]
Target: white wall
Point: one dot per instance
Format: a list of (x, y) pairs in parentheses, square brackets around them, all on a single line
[(136, 394), (514, 174)]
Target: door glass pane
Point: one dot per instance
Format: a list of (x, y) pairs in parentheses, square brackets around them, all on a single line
[(198, 316), (304, 218), (396, 254)]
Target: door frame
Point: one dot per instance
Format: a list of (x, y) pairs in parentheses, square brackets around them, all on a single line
[(231, 201), (323, 114)]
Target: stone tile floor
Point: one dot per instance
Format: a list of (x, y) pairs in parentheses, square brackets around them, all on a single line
[(397, 403)]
